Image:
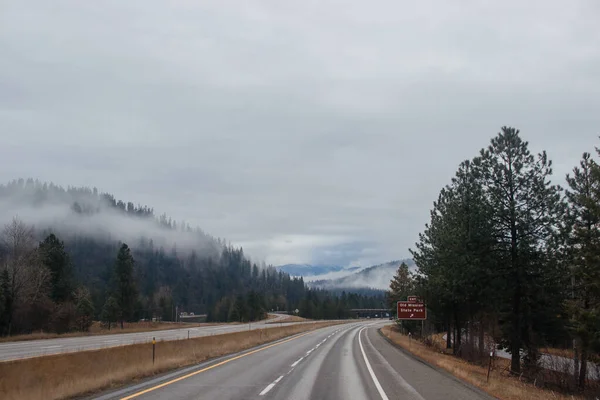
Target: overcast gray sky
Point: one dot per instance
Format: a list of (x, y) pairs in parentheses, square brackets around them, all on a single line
[(306, 131)]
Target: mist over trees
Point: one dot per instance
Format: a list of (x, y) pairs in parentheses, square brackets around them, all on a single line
[(72, 256), (511, 256)]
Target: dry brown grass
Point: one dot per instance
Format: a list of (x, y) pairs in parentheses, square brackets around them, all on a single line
[(567, 353), (501, 385), (98, 329), (67, 375)]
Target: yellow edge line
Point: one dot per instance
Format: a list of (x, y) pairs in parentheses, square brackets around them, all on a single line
[(211, 367)]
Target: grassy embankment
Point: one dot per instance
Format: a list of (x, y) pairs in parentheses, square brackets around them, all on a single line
[(67, 375), (501, 385)]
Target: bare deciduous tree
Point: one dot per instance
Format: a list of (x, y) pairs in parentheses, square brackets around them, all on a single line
[(28, 278)]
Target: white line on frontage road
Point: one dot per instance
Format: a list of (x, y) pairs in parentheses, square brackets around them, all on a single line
[(271, 386), (297, 362)]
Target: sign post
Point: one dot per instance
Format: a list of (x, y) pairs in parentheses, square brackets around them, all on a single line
[(153, 348), (490, 366)]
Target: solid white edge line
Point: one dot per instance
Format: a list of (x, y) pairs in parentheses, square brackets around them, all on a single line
[(375, 380)]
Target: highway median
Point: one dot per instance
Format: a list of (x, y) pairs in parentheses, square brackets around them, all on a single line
[(75, 374)]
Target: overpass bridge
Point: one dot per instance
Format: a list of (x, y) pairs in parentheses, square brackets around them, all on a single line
[(370, 312)]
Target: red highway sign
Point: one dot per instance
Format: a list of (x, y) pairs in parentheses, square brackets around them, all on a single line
[(411, 311)]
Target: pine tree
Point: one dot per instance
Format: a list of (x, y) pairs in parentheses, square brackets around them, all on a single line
[(401, 286), (525, 211), (454, 258), (470, 239), (54, 256), (584, 242), (125, 288), (84, 309), (110, 311)]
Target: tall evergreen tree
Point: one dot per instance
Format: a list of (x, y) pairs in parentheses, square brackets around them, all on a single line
[(584, 244), (56, 259), (401, 286), (454, 256), (525, 211), (433, 281), (471, 241), (125, 287)]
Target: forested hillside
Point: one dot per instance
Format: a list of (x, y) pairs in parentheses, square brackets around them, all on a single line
[(73, 255), (509, 255)]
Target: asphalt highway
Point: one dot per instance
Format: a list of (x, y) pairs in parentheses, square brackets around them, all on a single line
[(344, 362), (36, 348)]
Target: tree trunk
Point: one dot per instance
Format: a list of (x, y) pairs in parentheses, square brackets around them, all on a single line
[(122, 324), (449, 335), (471, 335), (515, 344), (481, 339), (457, 333), (583, 369), (576, 362)]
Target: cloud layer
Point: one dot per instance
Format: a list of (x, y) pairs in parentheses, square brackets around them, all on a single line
[(304, 131)]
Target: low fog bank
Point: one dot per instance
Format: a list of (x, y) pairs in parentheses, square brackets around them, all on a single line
[(375, 277), (86, 212), (333, 275)]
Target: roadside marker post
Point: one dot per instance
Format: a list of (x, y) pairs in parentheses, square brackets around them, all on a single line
[(490, 366), (153, 349)]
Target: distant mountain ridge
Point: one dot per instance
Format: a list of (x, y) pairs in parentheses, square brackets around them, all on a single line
[(375, 277)]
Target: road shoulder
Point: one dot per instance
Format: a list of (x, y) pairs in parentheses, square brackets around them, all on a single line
[(436, 368)]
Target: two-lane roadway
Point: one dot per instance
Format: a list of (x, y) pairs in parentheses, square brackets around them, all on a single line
[(342, 362)]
